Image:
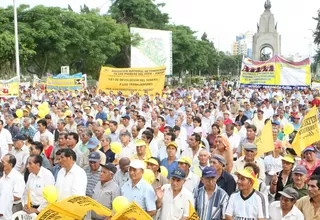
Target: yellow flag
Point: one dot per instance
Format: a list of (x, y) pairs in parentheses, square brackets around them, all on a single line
[(192, 213), (148, 152), (29, 199), (75, 207), (264, 141), (133, 211), (308, 132)]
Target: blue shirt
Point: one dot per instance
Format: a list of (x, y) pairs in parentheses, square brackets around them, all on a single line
[(142, 194), (102, 115), (171, 121), (170, 167), (55, 171)]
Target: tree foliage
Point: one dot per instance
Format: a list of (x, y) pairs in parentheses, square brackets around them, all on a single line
[(51, 37), (316, 35)]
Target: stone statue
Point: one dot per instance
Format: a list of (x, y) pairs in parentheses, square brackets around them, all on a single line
[(267, 5)]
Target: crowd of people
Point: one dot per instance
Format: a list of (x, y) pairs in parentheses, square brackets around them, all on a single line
[(204, 137)]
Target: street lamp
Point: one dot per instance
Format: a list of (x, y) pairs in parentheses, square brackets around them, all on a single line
[(16, 39)]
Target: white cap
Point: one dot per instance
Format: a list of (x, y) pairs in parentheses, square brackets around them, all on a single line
[(248, 121), (137, 164)]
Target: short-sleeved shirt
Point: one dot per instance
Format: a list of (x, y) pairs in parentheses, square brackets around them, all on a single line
[(177, 207), (255, 206), (302, 192), (121, 178), (93, 179), (275, 212), (306, 207), (142, 193), (159, 181), (170, 167), (227, 182), (104, 194)]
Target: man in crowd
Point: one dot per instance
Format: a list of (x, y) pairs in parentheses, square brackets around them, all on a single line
[(42, 130), (122, 174), (93, 171), (21, 152)]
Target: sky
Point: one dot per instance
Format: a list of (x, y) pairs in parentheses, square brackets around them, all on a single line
[(224, 20)]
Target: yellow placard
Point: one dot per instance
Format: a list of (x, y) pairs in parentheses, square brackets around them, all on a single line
[(133, 211), (264, 141), (65, 82), (308, 132), (75, 207), (9, 88), (137, 80), (192, 213)]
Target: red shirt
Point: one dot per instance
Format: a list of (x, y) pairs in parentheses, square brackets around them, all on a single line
[(228, 121), (48, 151), (309, 169)]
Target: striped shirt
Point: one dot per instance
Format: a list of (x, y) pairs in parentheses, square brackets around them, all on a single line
[(253, 207), (93, 179), (212, 208)]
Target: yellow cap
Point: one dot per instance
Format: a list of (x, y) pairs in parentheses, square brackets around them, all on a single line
[(186, 160), (247, 173), (87, 108), (288, 158), (152, 161), (172, 144), (140, 143)]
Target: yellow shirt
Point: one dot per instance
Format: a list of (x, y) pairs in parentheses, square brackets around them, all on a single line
[(305, 206)]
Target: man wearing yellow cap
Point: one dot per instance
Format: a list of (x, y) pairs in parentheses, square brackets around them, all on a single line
[(247, 203), (153, 163), (140, 150), (192, 180)]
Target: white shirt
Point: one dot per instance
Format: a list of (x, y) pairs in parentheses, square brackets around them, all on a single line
[(73, 183), (275, 213), (189, 153), (47, 133), (127, 151), (6, 139), (175, 208), (192, 182), (6, 197), (154, 147), (35, 184), (273, 164), (18, 184), (21, 157), (78, 154)]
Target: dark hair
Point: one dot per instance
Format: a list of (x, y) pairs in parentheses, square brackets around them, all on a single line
[(217, 126), (142, 119), (291, 151), (64, 134), (254, 166), (266, 121), (114, 123), (148, 135), (254, 128), (197, 137), (317, 178), (1, 122), (150, 129), (37, 159), (172, 135), (12, 159), (74, 135), (170, 129), (161, 118), (38, 145), (43, 122), (197, 119), (59, 152), (69, 153), (158, 160), (231, 126)]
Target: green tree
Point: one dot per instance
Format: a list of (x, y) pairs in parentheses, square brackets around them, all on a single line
[(316, 35)]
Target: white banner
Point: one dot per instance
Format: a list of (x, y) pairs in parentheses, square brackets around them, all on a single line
[(154, 50)]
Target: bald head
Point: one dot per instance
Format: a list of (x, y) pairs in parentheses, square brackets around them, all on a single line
[(124, 163)]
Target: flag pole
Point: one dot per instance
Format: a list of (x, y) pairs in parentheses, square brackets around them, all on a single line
[(16, 39)]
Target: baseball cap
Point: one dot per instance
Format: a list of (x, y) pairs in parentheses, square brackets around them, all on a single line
[(178, 173), (220, 159), (300, 170), (92, 143), (248, 121), (126, 117), (137, 164), (288, 158), (309, 148), (87, 108), (186, 160), (94, 157), (290, 193), (247, 173), (125, 133), (152, 161), (172, 144), (91, 115), (241, 110), (110, 166), (19, 137), (238, 123), (209, 172), (250, 146), (275, 122)]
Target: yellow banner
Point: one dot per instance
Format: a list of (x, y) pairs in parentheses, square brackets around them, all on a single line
[(133, 211), (136, 80), (65, 82), (75, 207), (192, 213), (264, 141), (9, 88), (308, 132)]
